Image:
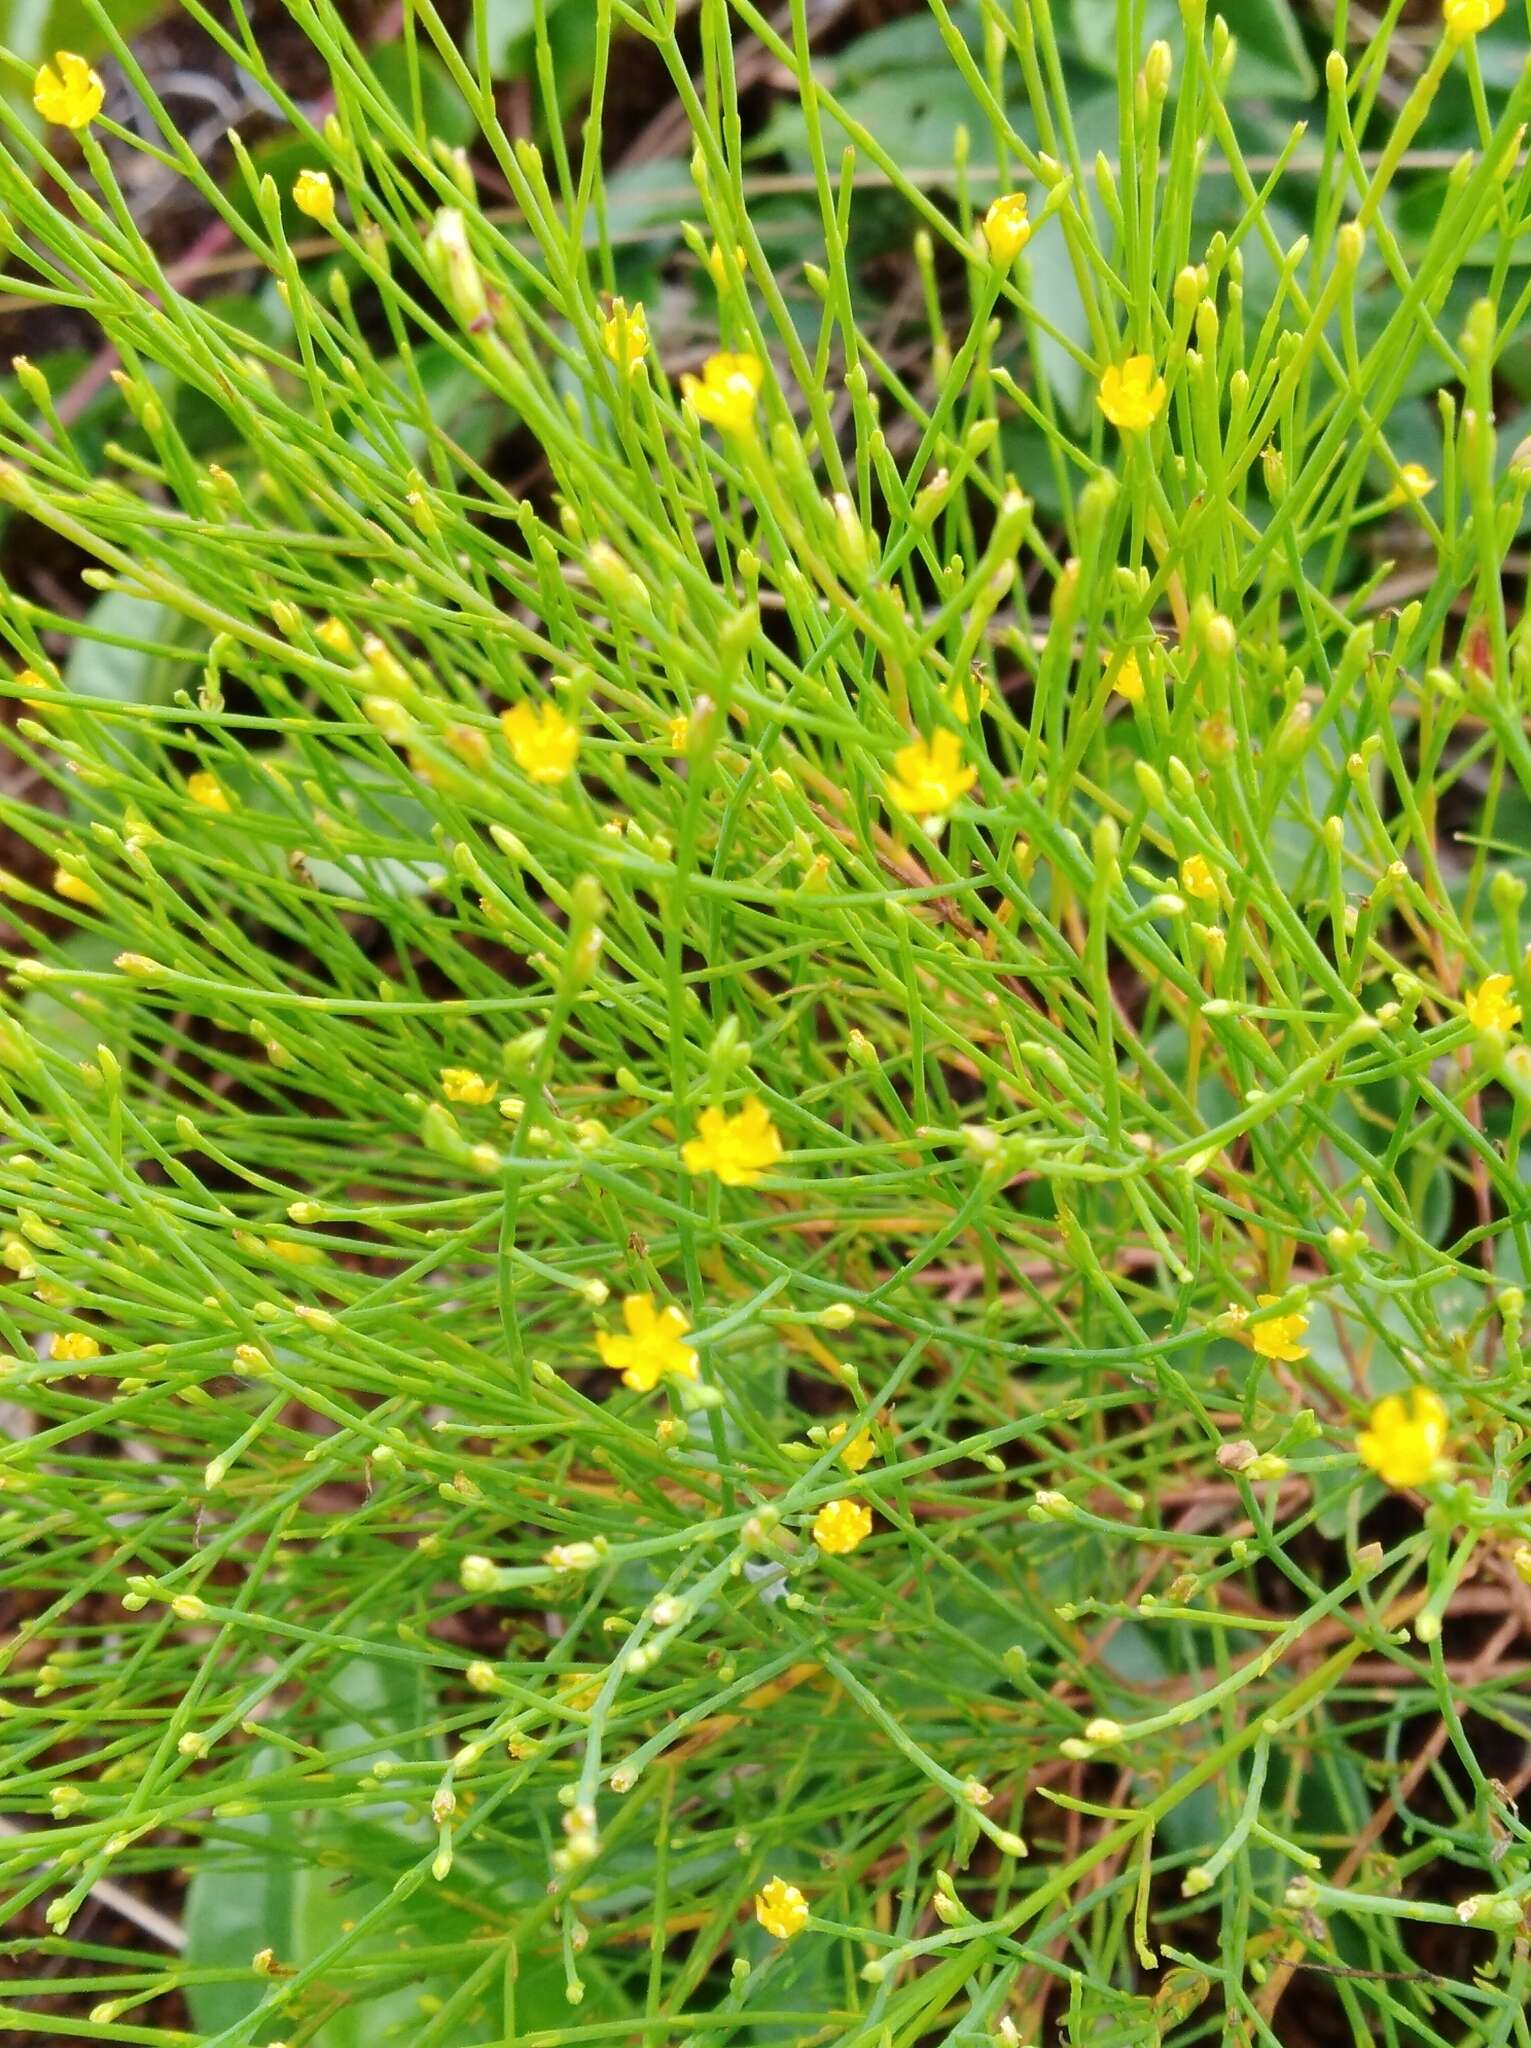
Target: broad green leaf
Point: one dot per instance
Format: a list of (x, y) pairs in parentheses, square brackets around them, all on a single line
[(275, 1884), (913, 44), (382, 1701), (34, 29), (76, 1028), (1272, 55), (70, 25), (794, 1976), (915, 115), (242, 1898), (405, 864), (1272, 58), (444, 111), (508, 28), (1293, 842), (136, 663), (1419, 210), (1054, 290)]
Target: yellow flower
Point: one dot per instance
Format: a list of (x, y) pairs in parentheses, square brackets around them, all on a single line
[(573, 1557), (652, 1349), (1414, 482), (313, 194), (544, 742), (1488, 1006), (462, 1084), (294, 1253), (928, 775), (781, 1909), (1406, 1438), (1006, 228), (16, 1253), (738, 1148), (1278, 1336), (1198, 878), (1464, 18), (67, 92), (678, 734), (469, 743), (957, 700), (335, 634), (204, 788), (75, 1347), (725, 393), (840, 1525), (1128, 678), (75, 889), (579, 1689), (717, 263), (1131, 396), (859, 1449), (626, 335)]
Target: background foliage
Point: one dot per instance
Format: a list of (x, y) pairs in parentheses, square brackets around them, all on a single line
[(308, 1723)]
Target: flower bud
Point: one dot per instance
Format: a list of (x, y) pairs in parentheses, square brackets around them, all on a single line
[(1485, 1909), (622, 588), (479, 1575), (448, 252), (314, 195)]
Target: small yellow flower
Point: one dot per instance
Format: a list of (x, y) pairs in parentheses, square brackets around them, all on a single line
[(678, 734), (859, 1450), (781, 1909), (1006, 228), (462, 1084), (573, 1557), (737, 1148), (652, 1349), (27, 679), (293, 1253), (1278, 1337), (75, 889), (928, 775), (960, 703), (387, 671), (1131, 396), (313, 194), (840, 1525), (1406, 1438), (545, 743), (724, 395), (717, 263), (1414, 482), (1127, 680), (1198, 878), (469, 743), (335, 634), (1464, 18), (579, 1689), (16, 1253), (626, 335), (1488, 1007), (67, 92), (204, 788), (75, 1347)]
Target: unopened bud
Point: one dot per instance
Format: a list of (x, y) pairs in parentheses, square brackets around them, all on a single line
[(451, 257)]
